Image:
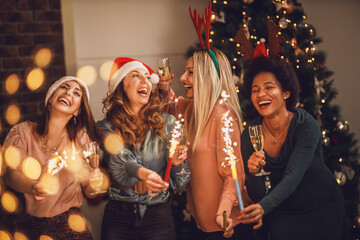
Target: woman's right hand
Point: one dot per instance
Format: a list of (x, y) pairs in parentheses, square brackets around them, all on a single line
[(256, 161), (39, 192), (252, 214), (165, 82), (153, 181)]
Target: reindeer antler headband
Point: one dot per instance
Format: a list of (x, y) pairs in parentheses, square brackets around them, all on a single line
[(204, 21), (274, 48)]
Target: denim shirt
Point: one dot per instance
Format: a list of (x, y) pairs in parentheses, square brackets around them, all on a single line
[(151, 155)]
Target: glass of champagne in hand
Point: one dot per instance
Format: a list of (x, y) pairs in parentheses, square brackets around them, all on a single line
[(257, 140), (91, 154), (183, 142), (165, 70)]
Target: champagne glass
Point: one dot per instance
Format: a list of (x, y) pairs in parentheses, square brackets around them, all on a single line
[(183, 141), (91, 154), (257, 140), (164, 70)]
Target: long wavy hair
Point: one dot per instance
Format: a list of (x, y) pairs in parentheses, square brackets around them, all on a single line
[(208, 87), (122, 117), (84, 121)]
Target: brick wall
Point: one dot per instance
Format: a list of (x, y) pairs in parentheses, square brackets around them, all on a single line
[(25, 27)]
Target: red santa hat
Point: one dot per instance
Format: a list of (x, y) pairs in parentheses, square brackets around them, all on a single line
[(122, 66), (260, 50)]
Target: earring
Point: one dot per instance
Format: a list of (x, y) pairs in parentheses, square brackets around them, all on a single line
[(285, 98), (74, 118)]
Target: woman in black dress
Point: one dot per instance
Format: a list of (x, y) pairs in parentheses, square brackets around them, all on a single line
[(305, 201)]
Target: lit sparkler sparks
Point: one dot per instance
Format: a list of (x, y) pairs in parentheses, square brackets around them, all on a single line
[(229, 150), (175, 140)]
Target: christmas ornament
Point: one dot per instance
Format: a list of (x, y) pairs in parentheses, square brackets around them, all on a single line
[(318, 85), (342, 126), (349, 172), (220, 17), (340, 178), (313, 49), (283, 23)]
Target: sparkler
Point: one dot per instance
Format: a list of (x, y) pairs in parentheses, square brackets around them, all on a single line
[(56, 164), (175, 140), (229, 150)]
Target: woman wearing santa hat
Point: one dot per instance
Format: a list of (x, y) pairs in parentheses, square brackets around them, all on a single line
[(66, 119), (138, 197)]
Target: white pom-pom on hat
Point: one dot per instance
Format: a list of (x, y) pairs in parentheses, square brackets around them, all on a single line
[(122, 66)]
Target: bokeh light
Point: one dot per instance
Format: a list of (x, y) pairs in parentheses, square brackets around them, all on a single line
[(35, 79), (12, 157), (12, 114), (50, 183), (9, 202), (45, 237), (2, 186), (43, 57), (31, 168), (87, 74), (2, 166), (106, 181), (114, 143), (20, 236), (105, 70), (12, 83), (77, 223), (4, 235)]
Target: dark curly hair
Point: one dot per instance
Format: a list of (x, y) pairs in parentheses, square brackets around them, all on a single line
[(284, 73), (121, 116)]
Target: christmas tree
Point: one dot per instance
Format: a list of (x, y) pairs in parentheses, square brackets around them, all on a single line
[(300, 48)]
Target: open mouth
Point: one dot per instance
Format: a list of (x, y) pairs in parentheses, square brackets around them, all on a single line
[(188, 87), (143, 92), (264, 103), (65, 101)]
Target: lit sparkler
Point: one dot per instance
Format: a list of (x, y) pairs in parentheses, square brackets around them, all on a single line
[(175, 140), (229, 150)]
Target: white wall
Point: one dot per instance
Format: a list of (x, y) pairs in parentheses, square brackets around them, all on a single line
[(338, 24), (98, 31)]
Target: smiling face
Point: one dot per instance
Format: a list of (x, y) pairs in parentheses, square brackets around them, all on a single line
[(137, 86), (67, 98), (267, 95), (187, 78)]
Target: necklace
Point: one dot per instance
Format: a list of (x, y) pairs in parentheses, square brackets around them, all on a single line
[(49, 149), (276, 139)]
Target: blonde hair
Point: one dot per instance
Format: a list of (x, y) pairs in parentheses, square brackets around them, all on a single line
[(207, 89)]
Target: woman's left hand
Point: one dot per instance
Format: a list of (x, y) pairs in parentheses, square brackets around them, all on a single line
[(180, 155), (252, 214)]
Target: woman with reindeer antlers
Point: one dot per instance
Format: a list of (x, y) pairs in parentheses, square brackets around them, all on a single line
[(304, 201), (211, 190)]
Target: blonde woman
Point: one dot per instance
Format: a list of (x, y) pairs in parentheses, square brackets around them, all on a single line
[(211, 190)]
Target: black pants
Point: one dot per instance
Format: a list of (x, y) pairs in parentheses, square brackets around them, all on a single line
[(58, 227), (122, 221)]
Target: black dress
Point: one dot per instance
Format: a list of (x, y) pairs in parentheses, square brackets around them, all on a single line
[(305, 201)]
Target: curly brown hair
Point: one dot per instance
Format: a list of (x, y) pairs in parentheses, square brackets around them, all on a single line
[(122, 118)]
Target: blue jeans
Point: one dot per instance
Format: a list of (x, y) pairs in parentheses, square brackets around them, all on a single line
[(122, 221)]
